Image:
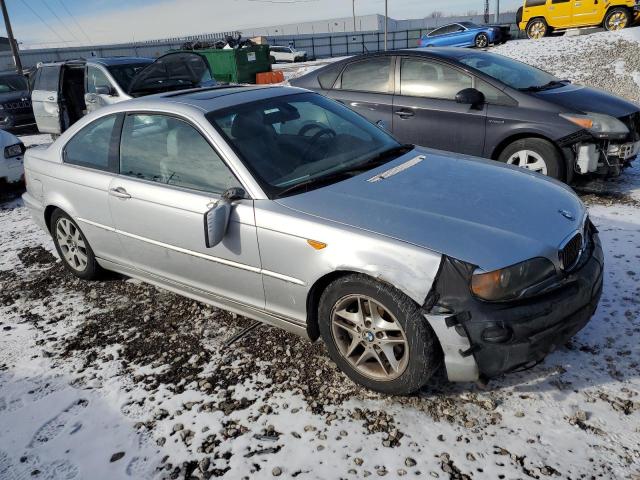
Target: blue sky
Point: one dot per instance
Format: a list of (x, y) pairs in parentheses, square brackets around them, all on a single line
[(111, 21)]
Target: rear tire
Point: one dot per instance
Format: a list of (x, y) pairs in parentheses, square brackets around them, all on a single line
[(617, 18), (482, 40), (537, 29), (377, 336), (73, 248), (535, 154)]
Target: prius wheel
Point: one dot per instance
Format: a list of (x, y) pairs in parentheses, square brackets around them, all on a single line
[(72, 247), (616, 19), (535, 154), (377, 336), (482, 41), (537, 29)]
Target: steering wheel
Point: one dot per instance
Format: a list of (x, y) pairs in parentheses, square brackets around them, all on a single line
[(314, 139)]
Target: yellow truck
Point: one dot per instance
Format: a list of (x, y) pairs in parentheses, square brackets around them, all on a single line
[(540, 17)]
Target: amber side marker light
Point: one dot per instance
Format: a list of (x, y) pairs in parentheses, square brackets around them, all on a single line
[(316, 244)]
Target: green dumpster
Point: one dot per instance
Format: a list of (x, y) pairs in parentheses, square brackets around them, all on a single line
[(236, 65)]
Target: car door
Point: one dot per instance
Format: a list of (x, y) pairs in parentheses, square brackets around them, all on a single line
[(170, 176), (45, 98), (586, 12), (366, 86), (99, 89), (88, 167), (560, 12), (426, 113)]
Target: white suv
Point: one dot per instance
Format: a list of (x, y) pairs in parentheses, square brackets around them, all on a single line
[(287, 54)]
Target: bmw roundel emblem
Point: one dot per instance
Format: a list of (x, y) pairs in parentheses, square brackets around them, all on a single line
[(566, 214)]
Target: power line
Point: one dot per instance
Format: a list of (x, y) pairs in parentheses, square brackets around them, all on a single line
[(75, 20), (60, 20), (43, 22)]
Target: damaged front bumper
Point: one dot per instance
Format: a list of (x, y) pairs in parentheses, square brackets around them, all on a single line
[(604, 158), (482, 339)]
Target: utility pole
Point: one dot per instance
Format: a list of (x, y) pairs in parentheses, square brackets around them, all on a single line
[(12, 41), (386, 23), (497, 11), (353, 5)]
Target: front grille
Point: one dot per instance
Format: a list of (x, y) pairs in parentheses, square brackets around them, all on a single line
[(16, 105), (570, 253)]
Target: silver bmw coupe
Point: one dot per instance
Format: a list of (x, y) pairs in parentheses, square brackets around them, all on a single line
[(286, 207)]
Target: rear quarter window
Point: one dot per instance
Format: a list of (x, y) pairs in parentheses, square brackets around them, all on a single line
[(328, 78)]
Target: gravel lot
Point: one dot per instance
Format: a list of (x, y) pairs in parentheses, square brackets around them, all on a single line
[(117, 379)]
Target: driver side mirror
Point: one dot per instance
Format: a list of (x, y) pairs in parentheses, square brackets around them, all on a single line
[(105, 90), (216, 220), (470, 96)]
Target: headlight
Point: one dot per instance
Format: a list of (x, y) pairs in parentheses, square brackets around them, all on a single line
[(599, 125), (13, 150), (511, 282)]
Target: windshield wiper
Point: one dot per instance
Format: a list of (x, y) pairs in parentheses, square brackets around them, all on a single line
[(547, 86), (352, 171), (317, 181)]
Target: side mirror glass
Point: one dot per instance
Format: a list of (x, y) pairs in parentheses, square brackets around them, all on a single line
[(105, 90), (216, 220), (470, 96)]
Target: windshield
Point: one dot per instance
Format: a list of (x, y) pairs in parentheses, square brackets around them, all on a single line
[(123, 74), (511, 72), (13, 83), (301, 140)]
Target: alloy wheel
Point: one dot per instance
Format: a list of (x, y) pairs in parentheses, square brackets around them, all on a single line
[(537, 30), (369, 337), (72, 244), (482, 41), (530, 160), (617, 21)]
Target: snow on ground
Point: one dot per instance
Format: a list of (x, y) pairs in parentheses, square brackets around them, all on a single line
[(117, 379)]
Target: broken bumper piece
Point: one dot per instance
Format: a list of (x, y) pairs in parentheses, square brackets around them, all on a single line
[(483, 340)]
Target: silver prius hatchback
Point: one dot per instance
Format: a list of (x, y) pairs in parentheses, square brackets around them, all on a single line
[(286, 207)]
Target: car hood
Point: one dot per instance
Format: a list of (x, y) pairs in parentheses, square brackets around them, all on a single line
[(479, 211), (577, 98)]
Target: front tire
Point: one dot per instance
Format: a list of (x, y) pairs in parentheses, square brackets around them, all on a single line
[(377, 336), (482, 41), (535, 154), (537, 29), (73, 248), (617, 19)]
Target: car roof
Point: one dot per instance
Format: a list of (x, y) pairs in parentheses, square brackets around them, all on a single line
[(445, 53), (210, 99), (109, 61)]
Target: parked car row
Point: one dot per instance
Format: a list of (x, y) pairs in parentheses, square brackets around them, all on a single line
[(284, 206), (483, 104)]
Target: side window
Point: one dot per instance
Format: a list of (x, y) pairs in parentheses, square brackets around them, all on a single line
[(368, 76), (90, 146), (170, 151), (559, 1), (493, 95), (328, 77), (438, 31), (535, 3), (96, 78), (48, 79), (423, 78)]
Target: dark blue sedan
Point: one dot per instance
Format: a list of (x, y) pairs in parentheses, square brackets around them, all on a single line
[(463, 34)]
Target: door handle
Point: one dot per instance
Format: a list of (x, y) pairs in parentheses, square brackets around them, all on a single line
[(51, 98), (119, 192), (404, 113)]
